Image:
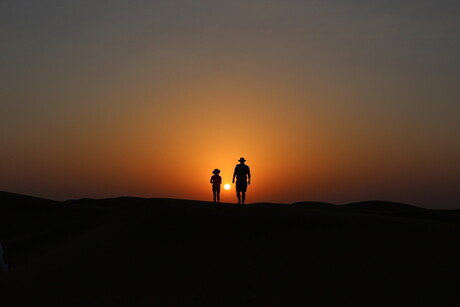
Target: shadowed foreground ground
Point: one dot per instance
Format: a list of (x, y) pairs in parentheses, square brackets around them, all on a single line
[(131, 251)]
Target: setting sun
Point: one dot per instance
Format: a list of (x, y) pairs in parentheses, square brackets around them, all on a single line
[(226, 186)]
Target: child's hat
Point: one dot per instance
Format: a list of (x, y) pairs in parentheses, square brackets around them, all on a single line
[(216, 171)]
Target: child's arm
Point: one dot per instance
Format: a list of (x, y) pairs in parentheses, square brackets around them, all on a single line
[(211, 179)]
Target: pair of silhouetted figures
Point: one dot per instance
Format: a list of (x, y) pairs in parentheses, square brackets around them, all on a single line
[(243, 179), (3, 265)]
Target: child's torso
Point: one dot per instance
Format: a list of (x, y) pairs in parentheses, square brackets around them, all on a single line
[(216, 180)]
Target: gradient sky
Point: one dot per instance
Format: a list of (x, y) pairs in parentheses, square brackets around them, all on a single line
[(335, 101)]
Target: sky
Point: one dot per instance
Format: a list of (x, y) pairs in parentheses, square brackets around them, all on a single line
[(334, 101)]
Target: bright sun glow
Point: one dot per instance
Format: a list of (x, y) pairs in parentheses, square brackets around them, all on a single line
[(227, 186)]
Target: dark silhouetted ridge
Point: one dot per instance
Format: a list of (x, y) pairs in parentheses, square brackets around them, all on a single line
[(383, 206), (403, 210), (13, 201), (314, 204), (158, 251)]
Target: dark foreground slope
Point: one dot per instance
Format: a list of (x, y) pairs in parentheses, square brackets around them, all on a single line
[(132, 251)]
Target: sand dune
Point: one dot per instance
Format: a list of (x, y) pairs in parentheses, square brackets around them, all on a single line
[(383, 206), (135, 251)]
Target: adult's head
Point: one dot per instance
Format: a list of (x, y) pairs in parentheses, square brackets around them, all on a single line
[(242, 160)]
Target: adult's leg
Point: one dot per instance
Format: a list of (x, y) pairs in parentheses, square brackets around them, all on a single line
[(238, 196), (243, 194)]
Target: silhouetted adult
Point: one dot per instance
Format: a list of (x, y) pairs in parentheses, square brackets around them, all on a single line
[(243, 178), (3, 265)]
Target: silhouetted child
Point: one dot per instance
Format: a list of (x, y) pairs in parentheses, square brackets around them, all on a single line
[(216, 180)]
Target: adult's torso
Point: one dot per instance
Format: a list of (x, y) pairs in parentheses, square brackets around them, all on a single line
[(241, 170)]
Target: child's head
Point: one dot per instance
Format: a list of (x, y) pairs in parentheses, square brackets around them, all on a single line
[(216, 171)]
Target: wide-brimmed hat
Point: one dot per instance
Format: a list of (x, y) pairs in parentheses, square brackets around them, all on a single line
[(216, 171), (242, 159)]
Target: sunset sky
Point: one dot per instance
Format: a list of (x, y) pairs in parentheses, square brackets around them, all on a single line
[(335, 101)]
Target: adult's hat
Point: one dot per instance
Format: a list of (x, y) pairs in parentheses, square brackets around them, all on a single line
[(242, 159), (216, 171)]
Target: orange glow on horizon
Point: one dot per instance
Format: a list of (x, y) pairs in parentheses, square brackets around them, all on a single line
[(150, 150)]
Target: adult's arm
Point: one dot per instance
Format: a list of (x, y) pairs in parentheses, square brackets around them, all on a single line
[(249, 176)]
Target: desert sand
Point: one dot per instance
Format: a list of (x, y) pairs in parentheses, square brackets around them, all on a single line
[(133, 251)]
